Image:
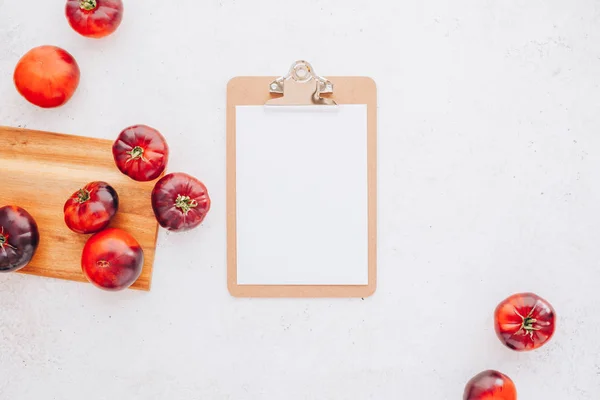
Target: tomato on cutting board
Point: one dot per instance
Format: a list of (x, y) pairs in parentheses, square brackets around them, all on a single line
[(141, 152), (91, 208), (112, 259), (490, 385), (19, 238), (524, 321), (94, 18), (47, 76), (180, 202)]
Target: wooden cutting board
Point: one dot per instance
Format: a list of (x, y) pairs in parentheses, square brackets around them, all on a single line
[(40, 170)]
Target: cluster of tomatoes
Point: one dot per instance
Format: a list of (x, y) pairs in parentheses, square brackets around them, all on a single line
[(523, 322), (112, 259)]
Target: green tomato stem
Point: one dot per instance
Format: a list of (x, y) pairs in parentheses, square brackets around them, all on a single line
[(185, 203), (136, 152), (4, 240), (83, 195), (527, 325), (88, 5)]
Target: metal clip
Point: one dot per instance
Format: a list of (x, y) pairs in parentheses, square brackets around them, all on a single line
[(301, 86)]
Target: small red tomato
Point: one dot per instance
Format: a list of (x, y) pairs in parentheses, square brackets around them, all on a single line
[(524, 321), (112, 259), (47, 76), (180, 202), (91, 208), (94, 18), (141, 153), (490, 385), (19, 238)]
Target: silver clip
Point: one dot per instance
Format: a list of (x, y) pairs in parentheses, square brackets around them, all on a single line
[(301, 73)]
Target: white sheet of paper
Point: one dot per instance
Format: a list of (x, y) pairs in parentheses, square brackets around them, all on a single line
[(302, 216)]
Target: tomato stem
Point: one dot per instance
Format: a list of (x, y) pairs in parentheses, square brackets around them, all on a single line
[(88, 5), (185, 203), (4, 240), (103, 264), (136, 152), (528, 323), (83, 195)]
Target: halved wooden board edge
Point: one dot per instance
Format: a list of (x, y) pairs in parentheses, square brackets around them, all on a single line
[(247, 90)]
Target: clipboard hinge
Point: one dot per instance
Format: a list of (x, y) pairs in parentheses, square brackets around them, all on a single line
[(301, 86)]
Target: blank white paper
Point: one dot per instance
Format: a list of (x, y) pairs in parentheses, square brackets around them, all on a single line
[(302, 214)]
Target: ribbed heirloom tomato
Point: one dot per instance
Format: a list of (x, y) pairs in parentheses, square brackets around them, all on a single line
[(180, 202), (141, 152), (91, 208), (112, 259), (490, 385), (94, 18), (524, 321), (19, 238), (47, 76)]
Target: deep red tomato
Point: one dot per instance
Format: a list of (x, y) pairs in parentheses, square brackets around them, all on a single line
[(141, 153), (47, 76), (524, 321), (490, 385), (180, 202), (94, 18), (19, 238), (91, 208), (112, 259)]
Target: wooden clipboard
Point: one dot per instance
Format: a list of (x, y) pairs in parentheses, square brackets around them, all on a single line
[(301, 87)]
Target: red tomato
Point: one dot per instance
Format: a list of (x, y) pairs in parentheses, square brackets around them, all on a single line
[(141, 153), (91, 208), (524, 321), (490, 385), (47, 76), (19, 238), (180, 202), (112, 259), (94, 18)]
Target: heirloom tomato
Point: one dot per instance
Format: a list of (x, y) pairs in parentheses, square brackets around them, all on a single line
[(112, 259), (141, 153), (19, 238), (94, 18), (91, 208), (47, 76), (490, 385), (180, 202), (524, 321)]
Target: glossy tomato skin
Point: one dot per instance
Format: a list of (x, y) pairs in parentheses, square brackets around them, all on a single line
[(180, 202), (524, 321), (141, 152), (47, 76), (112, 259), (94, 18), (19, 238), (91, 208), (490, 385)]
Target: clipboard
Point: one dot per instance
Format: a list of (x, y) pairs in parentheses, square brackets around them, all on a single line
[(278, 248)]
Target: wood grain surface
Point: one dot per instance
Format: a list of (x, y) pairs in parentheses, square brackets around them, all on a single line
[(40, 170)]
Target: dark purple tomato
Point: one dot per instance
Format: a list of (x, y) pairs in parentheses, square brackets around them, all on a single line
[(180, 202), (19, 238)]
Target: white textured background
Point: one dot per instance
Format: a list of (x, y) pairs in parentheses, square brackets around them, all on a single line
[(489, 174)]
